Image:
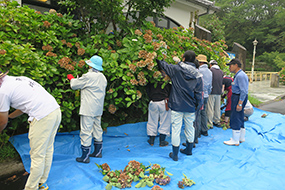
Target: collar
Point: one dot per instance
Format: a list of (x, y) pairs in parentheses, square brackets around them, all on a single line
[(216, 66), (237, 73), (203, 66), (93, 70)]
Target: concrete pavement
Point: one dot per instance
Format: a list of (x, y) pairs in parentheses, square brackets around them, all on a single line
[(262, 91), (271, 98)]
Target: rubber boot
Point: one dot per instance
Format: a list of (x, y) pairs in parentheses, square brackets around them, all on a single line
[(235, 139), (97, 150), (85, 154), (194, 145), (162, 141), (242, 135), (151, 140), (174, 153), (188, 149)]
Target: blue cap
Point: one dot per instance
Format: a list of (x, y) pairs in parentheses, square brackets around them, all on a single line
[(95, 62)]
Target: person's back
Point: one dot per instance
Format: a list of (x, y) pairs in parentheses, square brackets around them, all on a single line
[(185, 98), (207, 79), (217, 81), (214, 101), (28, 96), (93, 86), (158, 112), (155, 92), (186, 80)]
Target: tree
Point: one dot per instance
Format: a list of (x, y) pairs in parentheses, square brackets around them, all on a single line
[(215, 25), (246, 20), (121, 15)]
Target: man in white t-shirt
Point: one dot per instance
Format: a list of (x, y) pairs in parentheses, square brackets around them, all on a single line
[(27, 96)]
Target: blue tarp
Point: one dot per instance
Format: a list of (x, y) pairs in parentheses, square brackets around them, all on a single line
[(257, 163)]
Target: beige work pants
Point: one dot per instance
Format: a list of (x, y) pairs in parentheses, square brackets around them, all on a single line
[(214, 109), (90, 126), (41, 135)]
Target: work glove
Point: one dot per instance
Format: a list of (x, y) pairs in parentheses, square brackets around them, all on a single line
[(70, 76)]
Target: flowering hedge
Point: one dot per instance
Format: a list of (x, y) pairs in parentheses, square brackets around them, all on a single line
[(47, 47), (130, 64), (44, 47)]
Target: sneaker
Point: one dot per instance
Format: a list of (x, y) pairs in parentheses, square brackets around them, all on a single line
[(43, 186), (217, 124)]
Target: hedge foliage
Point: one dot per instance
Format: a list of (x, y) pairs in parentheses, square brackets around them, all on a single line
[(46, 47)]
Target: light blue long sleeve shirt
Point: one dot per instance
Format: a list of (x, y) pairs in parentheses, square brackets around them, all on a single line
[(207, 79), (240, 84)]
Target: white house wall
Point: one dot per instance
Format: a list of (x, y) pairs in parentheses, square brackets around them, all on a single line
[(180, 11)]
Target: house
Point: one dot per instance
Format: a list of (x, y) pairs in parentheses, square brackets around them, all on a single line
[(184, 13)]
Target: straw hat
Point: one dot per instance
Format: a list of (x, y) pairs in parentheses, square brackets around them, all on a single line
[(202, 58)]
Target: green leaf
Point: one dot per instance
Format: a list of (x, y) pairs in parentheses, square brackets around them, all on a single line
[(106, 178), (108, 186), (129, 104)]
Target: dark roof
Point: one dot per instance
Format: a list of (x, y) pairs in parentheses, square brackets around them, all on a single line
[(206, 4)]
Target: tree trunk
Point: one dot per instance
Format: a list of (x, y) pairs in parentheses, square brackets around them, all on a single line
[(274, 80)]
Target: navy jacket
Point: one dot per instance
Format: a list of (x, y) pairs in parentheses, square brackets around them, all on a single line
[(187, 86)]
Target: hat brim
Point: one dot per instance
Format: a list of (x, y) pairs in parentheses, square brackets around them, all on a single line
[(91, 64), (4, 74), (203, 61)]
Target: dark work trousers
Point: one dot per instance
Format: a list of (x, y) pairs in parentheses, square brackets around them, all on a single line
[(201, 120), (197, 124), (237, 118), (203, 117)]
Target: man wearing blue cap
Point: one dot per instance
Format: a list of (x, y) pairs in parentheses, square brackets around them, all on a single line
[(93, 86), (239, 99)]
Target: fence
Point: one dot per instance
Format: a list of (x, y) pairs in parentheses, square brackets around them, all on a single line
[(260, 75)]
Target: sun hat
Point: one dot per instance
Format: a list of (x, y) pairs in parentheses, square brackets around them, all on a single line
[(202, 58), (95, 62), (3, 74), (213, 62)]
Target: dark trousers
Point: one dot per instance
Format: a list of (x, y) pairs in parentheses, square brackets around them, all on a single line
[(237, 117), (201, 119), (197, 125)]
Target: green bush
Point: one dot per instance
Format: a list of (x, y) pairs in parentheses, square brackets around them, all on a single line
[(47, 47)]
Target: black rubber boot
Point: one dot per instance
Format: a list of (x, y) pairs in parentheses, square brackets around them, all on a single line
[(85, 154), (162, 141), (151, 140), (194, 145), (97, 149), (174, 153), (188, 149)]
